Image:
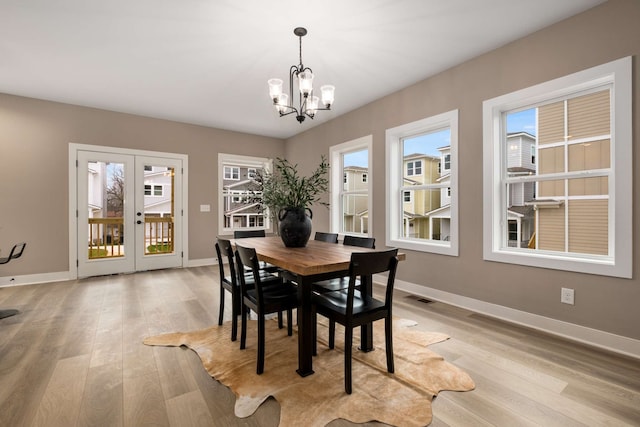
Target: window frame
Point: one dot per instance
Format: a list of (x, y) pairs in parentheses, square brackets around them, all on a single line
[(337, 181), (394, 183), (224, 160), (618, 75)]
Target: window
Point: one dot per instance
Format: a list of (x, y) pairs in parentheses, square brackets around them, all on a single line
[(350, 201), (153, 190), (421, 168), (232, 173), (240, 204), (533, 154), (414, 168), (570, 207)]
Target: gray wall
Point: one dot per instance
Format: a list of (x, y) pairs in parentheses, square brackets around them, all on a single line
[(602, 34), (34, 172), (34, 137)]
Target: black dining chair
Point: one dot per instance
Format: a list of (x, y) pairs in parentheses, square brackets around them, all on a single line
[(244, 234), (263, 300), (351, 309), (231, 284), (326, 237), (342, 282)]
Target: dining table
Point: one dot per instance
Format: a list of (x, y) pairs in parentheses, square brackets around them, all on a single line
[(314, 262)]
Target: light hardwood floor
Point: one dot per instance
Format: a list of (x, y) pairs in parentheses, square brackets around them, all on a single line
[(74, 357)]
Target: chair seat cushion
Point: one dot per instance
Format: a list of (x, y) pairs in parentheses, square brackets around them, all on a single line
[(333, 284), (276, 294), (265, 278), (337, 301)]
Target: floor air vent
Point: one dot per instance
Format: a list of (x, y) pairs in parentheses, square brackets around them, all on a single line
[(419, 299)]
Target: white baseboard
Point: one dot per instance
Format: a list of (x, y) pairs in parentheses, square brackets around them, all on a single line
[(33, 279), (201, 262), (594, 337)]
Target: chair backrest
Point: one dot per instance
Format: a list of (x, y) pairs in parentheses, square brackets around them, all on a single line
[(224, 249), (241, 234), (248, 257), (16, 252), (326, 237), (363, 242), (368, 264)]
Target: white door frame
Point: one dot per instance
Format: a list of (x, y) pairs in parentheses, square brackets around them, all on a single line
[(73, 196)]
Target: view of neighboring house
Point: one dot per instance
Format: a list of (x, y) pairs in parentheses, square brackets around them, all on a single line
[(521, 161), (574, 143), (355, 206), (421, 169), (241, 210)]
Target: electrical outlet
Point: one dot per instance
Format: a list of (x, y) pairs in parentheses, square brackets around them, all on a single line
[(567, 296)]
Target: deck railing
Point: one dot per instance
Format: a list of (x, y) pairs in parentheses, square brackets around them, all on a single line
[(158, 235), (106, 236)]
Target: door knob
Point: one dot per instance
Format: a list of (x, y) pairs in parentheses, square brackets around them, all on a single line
[(139, 213), (138, 222)]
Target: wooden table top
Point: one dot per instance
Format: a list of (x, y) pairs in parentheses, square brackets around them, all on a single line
[(315, 258)]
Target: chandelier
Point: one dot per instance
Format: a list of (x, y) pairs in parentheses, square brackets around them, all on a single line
[(308, 103)]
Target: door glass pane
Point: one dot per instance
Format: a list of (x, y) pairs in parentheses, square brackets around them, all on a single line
[(105, 209), (158, 209)]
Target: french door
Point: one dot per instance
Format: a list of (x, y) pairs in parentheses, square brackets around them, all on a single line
[(129, 212)]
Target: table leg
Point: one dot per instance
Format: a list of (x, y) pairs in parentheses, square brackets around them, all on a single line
[(305, 327), (366, 331)]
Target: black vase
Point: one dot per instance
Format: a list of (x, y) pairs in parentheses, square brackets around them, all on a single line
[(295, 226)]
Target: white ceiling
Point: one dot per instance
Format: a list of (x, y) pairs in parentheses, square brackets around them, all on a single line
[(207, 61)]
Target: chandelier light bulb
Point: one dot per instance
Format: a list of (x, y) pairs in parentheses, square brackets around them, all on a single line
[(312, 105), (305, 83), (275, 88), (282, 103), (327, 92)]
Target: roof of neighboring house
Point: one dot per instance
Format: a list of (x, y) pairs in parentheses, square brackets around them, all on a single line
[(514, 134), (439, 210), (356, 168), (157, 203), (407, 214), (521, 210), (446, 176), (236, 184), (411, 181), (420, 155), (519, 169), (241, 208)]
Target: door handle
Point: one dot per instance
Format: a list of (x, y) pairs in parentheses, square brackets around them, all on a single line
[(138, 222), (139, 213)]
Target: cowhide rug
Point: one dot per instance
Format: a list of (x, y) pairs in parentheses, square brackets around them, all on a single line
[(401, 399)]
